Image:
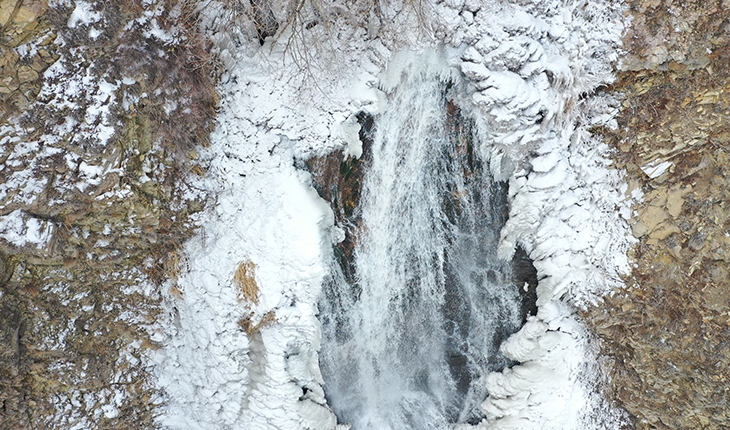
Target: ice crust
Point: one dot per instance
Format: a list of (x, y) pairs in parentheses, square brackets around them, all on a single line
[(531, 67), (266, 212), (564, 198)]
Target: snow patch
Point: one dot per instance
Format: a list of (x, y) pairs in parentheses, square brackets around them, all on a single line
[(19, 229), (83, 14), (656, 168)]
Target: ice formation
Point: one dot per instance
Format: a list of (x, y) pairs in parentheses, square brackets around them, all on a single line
[(532, 67)]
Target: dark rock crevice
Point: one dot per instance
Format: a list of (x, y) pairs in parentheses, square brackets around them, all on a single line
[(338, 180)]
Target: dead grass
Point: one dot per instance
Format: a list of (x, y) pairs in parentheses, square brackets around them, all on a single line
[(245, 280)]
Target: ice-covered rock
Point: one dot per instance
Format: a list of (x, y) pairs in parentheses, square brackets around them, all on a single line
[(526, 84)]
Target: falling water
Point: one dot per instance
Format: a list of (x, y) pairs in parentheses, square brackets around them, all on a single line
[(407, 343)]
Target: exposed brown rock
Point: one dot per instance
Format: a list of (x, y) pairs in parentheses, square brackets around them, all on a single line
[(668, 331), (26, 74), (22, 22), (338, 180)]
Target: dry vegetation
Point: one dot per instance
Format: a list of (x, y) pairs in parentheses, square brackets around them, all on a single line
[(251, 327), (247, 290), (245, 280)]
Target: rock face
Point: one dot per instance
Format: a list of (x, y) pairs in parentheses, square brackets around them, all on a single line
[(92, 211), (23, 24), (338, 179), (668, 330)]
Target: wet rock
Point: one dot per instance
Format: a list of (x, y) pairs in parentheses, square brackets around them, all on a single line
[(338, 180), (525, 277)]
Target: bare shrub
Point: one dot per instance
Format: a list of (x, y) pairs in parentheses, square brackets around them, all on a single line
[(182, 81), (304, 30)]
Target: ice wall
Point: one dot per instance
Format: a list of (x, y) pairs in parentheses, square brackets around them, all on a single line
[(534, 77)]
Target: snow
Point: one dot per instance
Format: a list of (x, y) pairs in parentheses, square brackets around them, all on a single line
[(564, 208), (20, 229), (83, 14), (349, 130), (70, 86), (528, 62), (266, 212), (656, 168)]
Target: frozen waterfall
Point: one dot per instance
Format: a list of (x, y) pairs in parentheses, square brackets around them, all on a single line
[(407, 344)]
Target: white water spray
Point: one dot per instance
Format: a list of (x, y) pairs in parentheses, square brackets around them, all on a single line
[(407, 346)]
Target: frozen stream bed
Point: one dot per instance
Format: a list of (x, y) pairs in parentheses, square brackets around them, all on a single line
[(242, 340)]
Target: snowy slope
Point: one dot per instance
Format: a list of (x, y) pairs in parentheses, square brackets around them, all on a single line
[(533, 65)]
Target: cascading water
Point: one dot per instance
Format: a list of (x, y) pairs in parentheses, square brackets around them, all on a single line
[(406, 345)]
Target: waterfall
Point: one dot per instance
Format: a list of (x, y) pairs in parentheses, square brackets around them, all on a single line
[(405, 345)]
